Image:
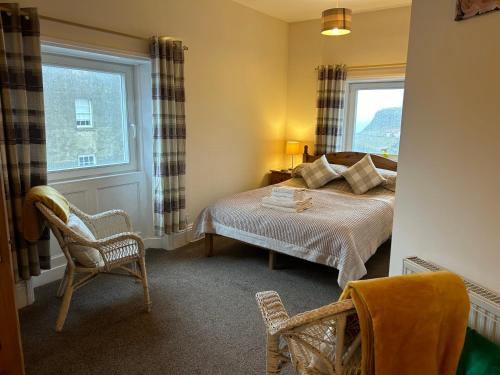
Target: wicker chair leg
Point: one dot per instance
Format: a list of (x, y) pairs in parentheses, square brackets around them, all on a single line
[(136, 267), (273, 357), (145, 284), (68, 293), (62, 284)]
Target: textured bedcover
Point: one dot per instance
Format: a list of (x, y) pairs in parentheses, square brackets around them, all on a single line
[(341, 230)]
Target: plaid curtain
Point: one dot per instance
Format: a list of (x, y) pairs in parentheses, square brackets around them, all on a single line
[(169, 133), (22, 130), (330, 104)]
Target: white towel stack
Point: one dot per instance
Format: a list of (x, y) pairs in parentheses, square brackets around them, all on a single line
[(287, 199)]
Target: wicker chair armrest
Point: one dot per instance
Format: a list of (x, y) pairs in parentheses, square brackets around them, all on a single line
[(313, 316), (105, 245), (118, 238), (272, 309), (105, 215), (107, 223)]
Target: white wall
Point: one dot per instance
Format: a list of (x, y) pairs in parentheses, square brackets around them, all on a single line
[(235, 72), (379, 37), (448, 202)]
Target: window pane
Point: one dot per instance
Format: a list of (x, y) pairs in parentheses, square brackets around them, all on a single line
[(377, 125), (86, 118)]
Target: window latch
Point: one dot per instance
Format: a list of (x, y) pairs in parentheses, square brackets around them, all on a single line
[(133, 130)]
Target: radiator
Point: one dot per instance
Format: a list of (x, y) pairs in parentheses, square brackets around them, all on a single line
[(484, 314)]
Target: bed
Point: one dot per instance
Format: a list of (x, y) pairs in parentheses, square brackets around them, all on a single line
[(341, 230)]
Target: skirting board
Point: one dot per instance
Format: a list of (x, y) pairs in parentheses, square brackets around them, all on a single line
[(171, 242), (25, 290), (24, 294), (58, 263)]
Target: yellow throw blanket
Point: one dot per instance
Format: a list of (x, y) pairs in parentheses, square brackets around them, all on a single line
[(412, 324), (33, 224)]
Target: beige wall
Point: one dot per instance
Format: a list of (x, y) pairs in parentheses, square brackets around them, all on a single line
[(235, 70), (448, 203), (378, 38)]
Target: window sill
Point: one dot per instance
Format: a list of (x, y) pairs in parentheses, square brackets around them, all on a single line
[(97, 177)]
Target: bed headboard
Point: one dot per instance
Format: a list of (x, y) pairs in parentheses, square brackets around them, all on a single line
[(351, 158)]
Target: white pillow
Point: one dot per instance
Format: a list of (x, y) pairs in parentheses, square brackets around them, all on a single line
[(86, 256), (339, 168), (363, 175), (318, 173), (391, 178)]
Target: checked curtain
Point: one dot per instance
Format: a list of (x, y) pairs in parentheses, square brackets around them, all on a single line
[(22, 130), (169, 135), (330, 104)]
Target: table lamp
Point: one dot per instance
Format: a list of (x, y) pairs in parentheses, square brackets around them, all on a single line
[(292, 148)]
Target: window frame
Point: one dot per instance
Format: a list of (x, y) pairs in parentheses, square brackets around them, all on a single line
[(89, 113), (71, 59), (83, 156), (352, 87)]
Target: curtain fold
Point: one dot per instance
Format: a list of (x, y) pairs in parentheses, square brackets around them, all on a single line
[(330, 105), (22, 130), (169, 135)]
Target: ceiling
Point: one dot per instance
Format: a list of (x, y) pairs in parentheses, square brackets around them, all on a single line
[(301, 10)]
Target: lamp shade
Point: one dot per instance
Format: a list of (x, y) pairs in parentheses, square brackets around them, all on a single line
[(336, 21), (292, 148)]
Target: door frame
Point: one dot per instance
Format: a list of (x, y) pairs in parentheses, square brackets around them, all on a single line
[(11, 354)]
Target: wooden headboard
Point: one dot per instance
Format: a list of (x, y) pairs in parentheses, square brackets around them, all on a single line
[(351, 158)]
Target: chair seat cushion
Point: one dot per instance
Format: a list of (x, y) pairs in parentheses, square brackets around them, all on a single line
[(86, 256)]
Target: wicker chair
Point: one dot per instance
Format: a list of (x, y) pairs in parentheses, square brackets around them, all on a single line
[(115, 241), (322, 341)]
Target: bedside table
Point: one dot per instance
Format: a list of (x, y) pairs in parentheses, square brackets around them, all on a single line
[(276, 176)]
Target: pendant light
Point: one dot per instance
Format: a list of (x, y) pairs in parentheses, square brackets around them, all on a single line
[(336, 21)]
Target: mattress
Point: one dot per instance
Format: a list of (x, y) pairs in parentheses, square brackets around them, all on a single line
[(341, 230)]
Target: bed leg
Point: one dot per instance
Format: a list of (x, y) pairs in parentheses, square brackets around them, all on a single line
[(209, 244), (272, 259)]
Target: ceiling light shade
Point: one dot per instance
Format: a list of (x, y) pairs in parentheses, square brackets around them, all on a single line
[(336, 21)]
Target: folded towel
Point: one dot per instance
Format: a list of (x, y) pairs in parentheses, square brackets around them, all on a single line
[(411, 324), (283, 202), (296, 194), (33, 224), (288, 209), (287, 190)]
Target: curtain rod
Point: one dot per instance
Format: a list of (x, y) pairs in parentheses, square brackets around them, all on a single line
[(76, 24), (376, 66)]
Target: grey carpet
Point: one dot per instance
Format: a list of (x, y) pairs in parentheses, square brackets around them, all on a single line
[(204, 318)]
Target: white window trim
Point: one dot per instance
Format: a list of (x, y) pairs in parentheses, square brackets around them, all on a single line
[(350, 109), (91, 120), (86, 156), (58, 56)]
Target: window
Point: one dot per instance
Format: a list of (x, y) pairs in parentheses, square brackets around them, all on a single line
[(83, 113), (373, 121), (86, 160), (88, 111)]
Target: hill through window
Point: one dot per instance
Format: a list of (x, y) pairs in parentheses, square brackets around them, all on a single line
[(373, 121)]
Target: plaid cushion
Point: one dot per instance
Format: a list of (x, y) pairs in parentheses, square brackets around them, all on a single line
[(363, 175), (318, 173), (338, 168)]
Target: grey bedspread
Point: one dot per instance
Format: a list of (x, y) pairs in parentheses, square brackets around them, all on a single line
[(341, 230)]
